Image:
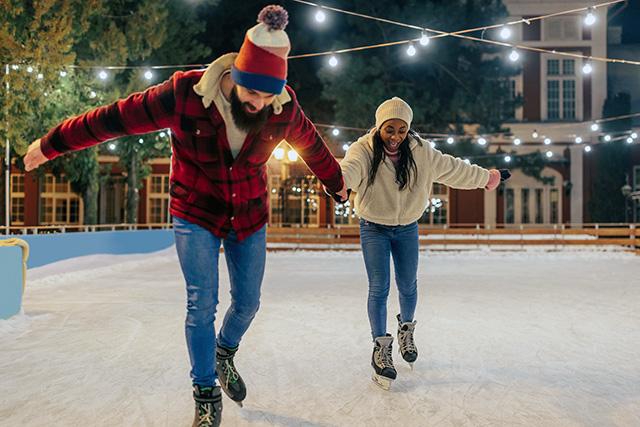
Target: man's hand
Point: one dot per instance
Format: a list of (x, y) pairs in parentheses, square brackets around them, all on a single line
[(34, 156), (341, 197)]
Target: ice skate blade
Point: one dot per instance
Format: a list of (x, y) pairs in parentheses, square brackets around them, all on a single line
[(382, 382), (240, 404), (410, 365)]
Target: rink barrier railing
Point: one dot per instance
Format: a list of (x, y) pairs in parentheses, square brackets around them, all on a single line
[(312, 237)]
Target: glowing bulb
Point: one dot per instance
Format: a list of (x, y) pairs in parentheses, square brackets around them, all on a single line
[(587, 68), (411, 50), (335, 131), (507, 159), (517, 141), (482, 141), (514, 55), (40, 76), (29, 69), (587, 148), (607, 138), (92, 94), (103, 75), (333, 61), (63, 73), (535, 134), (547, 141), (148, 75), (590, 18), (433, 144), (450, 140), (141, 141), (595, 127), (162, 134), (578, 140), (467, 161), (112, 146), (549, 154), (629, 140), (424, 39), (278, 153), (345, 147), (505, 33), (634, 135), (320, 16)]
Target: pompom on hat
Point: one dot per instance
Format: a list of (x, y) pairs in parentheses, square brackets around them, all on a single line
[(262, 62)]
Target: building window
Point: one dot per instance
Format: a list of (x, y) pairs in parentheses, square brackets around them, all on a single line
[(524, 193), (58, 204), (17, 199), (539, 214), (436, 211), (561, 28), (555, 205), (158, 199), (562, 93), (509, 214)]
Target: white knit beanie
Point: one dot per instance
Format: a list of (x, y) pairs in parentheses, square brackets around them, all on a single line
[(394, 108)]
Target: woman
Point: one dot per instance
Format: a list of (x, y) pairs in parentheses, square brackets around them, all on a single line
[(392, 171)]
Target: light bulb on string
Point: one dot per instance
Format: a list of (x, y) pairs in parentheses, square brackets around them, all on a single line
[(320, 16), (335, 131), (507, 159), (103, 75), (535, 134), (433, 144), (333, 61), (547, 141), (450, 140), (141, 141), (549, 154), (607, 138), (517, 141), (629, 140), (505, 33), (63, 73), (424, 39), (482, 141), (587, 68), (345, 147), (112, 146), (578, 140), (15, 67), (29, 69), (467, 161), (590, 17), (514, 55), (40, 76), (92, 94), (411, 50), (595, 127), (634, 135), (587, 148), (148, 75)]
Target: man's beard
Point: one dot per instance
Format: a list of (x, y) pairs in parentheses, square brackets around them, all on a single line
[(248, 122)]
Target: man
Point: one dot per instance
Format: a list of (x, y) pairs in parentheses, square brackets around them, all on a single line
[(225, 122)]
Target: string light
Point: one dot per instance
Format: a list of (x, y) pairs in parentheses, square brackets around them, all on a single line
[(535, 134), (335, 131), (505, 33), (587, 68), (590, 17), (467, 161), (514, 55), (482, 141), (634, 135), (517, 141), (112, 146), (433, 144), (547, 141), (141, 141), (450, 140), (345, 147), (549, 154), (587, 148), (333, 61), (29, 69), (607, 138), (148, 75), (15, 67), (103, 75), (424, 39), (320, 15), (63, 73), (629, 140), (507, 159), (578, 140), (92, 94), (411, 50), (40, 76), (278, 153), (595, 127)]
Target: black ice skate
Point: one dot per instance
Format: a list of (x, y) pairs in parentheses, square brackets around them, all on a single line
[(208, 406), (382, 362), (230, 380), (406, 345)]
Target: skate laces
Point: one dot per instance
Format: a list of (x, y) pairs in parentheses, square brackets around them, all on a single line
[(407, 344), (230, 373), (205, 414), (385, 356)]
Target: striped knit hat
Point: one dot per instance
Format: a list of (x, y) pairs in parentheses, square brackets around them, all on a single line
[(262, 61)]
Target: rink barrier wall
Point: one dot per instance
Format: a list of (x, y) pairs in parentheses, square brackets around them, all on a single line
[(14, 254), (48, 248)]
